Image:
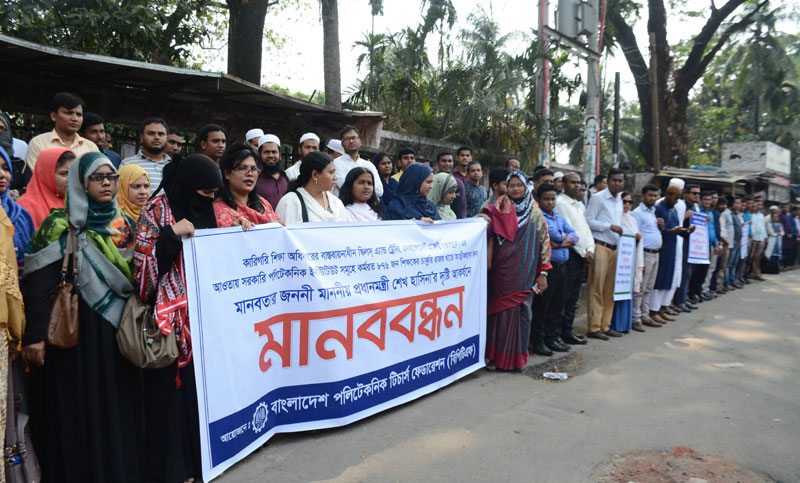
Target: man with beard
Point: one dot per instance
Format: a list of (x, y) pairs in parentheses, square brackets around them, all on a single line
[(351, 142), (309, 142), (273, 182), (153, 138), (211, 141)]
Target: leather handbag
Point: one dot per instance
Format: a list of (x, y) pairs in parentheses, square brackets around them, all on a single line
[(141, 341), (63, 329), (21, 463)]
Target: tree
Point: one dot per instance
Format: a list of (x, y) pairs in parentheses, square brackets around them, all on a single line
[(245, 34), (674, 85), (157, 31), (330, 51)]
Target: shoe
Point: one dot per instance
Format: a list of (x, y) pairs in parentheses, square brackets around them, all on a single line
[(557, 346), (737, 285), (597, 335), (745, 281), (707, 296), (541, 349), (637, 326), (694, 299), (570, 338), (613, 333), (673, 308), (666, 317), (690, 306), (686, 309), (651, 323), (760, 278)]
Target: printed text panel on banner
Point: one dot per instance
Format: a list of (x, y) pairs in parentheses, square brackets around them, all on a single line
[(320, 325)]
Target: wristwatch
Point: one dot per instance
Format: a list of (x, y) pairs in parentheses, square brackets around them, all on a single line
[(544, 272)]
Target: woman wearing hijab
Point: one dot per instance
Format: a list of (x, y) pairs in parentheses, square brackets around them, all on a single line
[(358, 196), (172, 438), (443, 193), (411, 202), (519, 258), (383, 163), (19, 216), (622, 320), (88, 413), (311, 200), (134, 190), (48, 186), (238, 197), (12, 316)]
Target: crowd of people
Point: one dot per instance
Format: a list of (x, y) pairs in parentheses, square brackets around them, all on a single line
[(97, 417)]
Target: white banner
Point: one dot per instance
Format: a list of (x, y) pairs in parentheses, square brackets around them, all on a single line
[(626, 261), (318, 325), (698, 240)]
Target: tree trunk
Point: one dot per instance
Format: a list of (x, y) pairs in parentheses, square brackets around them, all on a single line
[(245, 34), (330, 50)]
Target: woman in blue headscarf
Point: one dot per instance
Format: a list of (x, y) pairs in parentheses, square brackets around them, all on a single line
[(19, 216), (411, 201)]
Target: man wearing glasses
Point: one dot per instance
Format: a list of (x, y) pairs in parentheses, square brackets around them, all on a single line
[(351, 143)]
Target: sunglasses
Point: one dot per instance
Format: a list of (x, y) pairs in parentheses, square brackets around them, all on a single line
[(627, 202), (99, 178)]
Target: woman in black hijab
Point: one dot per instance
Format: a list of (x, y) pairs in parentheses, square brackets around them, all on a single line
[(172, 429)]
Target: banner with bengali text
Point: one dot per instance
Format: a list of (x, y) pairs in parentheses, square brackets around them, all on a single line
[(626, 263), (698, 240), (319, 325)]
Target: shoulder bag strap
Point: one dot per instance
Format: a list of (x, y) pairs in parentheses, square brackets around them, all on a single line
[(302, 206), (67, 252)]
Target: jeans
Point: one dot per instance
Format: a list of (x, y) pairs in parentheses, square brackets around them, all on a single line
[(576, 269), (686, 275), (718, 279), (733, 262)]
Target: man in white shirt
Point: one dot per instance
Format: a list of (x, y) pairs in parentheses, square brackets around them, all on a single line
[(570, 207), (604, 215), (153, 138), (650, 227), (351, 143), (309, 142), (759, 238)]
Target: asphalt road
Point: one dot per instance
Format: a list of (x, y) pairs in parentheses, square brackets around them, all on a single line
[(651, 391)]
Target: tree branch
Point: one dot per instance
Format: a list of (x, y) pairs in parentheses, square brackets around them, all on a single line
[(698, 58)]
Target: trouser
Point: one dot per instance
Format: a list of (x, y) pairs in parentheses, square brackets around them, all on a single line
[(699, 273), (710, 281), (722, 264), (733, 262), (548, 305), (788, 252), (641, 300), (601, 288), (741, 267), (758, 251), (686, 275), (576, 270)]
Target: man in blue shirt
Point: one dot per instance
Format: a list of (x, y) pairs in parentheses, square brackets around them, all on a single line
[(547, 306), (650, 228)]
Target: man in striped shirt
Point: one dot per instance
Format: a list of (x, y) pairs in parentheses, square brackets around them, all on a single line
[(152, 158)]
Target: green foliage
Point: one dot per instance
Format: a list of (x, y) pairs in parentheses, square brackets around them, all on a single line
[(319, 96), (159, 31)]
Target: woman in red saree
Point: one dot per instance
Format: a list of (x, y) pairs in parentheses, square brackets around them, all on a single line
[(519, 257)]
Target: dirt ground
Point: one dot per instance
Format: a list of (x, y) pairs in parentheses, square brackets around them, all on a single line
[(681, 465)]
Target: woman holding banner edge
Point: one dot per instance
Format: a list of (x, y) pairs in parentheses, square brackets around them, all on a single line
[(622, 320), (172, 446), (519, 258)]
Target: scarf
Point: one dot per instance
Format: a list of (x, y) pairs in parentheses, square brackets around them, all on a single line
[(442, 184), (22, 221), (41, 195), (408, 203), (362, 212), (227, 216), (127, 175), (6, 138), (180, 184), (522, 206), (103, 271), (12, 310)]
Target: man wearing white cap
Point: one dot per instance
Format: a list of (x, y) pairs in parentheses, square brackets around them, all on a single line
[(273, 183), (665, 299), (351, 143), (309, 142), (253, 137), (334, 148), (558, 180)]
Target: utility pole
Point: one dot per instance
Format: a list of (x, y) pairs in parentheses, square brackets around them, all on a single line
[(654, 100), (592, 122), (616, 120), (543, 82)]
